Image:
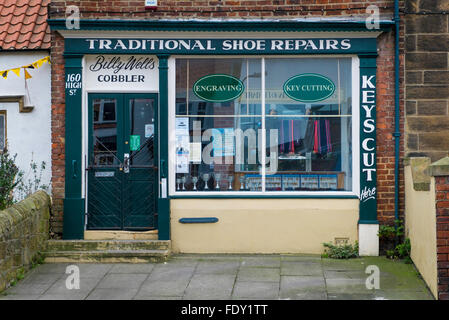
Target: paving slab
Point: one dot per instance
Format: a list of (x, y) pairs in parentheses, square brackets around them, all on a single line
[(210, 286), (93, 270), (303, 295), (29, 289), (60, 286), (174, 287), (350, 296), (141, 268), (122, 281), (345, 285), (301, 257), (112, 294), (53, 268), (75, 295), (259, 274), (12, 296), (302, 283), (301, 268), (256, 290), (261, 262), (41, 278), (217, 267), (402, 295), (170, 272)]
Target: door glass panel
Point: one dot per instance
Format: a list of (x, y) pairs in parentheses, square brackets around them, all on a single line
[(104, 132), (142, 129)]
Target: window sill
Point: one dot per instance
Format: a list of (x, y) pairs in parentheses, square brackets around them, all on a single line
[(267, 195)]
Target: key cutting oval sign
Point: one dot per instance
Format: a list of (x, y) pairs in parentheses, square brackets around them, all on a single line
[(309, 87), (218, 88)]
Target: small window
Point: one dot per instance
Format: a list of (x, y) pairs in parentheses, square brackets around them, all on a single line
[(2, 129)]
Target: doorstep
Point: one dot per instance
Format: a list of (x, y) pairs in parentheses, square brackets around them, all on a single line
[(120, 235)]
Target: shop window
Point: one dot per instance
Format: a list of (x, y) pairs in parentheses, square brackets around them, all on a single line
[(2, 129), (224, 106)]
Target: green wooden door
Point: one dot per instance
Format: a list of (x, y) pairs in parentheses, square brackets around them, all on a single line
[(122, 164)]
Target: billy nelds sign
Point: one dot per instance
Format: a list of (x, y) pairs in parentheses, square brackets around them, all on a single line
[(119, 72)]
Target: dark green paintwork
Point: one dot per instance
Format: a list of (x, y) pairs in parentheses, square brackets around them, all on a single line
[(367, 208), (217, 26), (163, 203), (73, 227), (125, 200)]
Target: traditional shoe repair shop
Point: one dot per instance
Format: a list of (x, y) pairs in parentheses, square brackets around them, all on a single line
[(224, 136)]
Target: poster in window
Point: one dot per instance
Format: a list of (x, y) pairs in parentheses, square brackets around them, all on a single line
[(182, 154), (328, 182), (309, 182)]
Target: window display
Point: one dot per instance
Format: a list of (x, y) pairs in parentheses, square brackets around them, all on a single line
[(292, 134)]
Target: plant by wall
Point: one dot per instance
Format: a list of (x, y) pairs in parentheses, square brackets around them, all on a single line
[(342, 251), (400, 247), (10, 178), (32, 182)]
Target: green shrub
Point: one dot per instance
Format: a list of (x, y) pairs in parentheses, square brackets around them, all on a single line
[(32, 182), (401, 248), (10, 178), (343, 251)]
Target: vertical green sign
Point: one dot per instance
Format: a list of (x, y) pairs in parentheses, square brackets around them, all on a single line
[(368, 165), (74, 208), (134, 142)]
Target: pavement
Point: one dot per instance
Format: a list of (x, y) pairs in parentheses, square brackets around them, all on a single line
[(227, 277)]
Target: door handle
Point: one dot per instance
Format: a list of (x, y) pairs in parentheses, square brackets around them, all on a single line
[(74, 173), (163, 171), (126, 163)]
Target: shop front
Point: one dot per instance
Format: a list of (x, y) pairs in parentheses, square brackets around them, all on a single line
[(261, 139)]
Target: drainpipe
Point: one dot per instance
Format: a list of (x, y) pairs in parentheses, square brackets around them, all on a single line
[(397, 133)]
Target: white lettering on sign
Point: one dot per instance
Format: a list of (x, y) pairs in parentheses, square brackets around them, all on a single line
[(118, 64), (367, 193), (368, 144), (73, 83), (221, 44)]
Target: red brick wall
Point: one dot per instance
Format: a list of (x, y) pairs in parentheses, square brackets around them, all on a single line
[(221, 8), (276, 9), (442, 211), (57, 132)]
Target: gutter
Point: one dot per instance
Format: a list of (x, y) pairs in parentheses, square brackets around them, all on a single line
[(397, 133)]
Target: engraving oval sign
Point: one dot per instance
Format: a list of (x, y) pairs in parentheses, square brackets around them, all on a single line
[(309, 87), (218, 88)]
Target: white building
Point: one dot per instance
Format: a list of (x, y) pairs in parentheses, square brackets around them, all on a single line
[(25, 92)]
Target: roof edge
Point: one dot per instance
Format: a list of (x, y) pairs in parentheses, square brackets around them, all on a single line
[(222, 25)]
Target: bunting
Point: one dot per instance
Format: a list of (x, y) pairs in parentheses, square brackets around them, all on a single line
[(35, 65)]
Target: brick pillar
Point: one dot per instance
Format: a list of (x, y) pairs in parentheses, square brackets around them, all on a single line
[(440, 170)]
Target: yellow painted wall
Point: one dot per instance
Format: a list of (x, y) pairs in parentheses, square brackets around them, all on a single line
[(420, 224), (262, 225)]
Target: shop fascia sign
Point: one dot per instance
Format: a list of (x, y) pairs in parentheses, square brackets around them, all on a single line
[(218, 46)]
